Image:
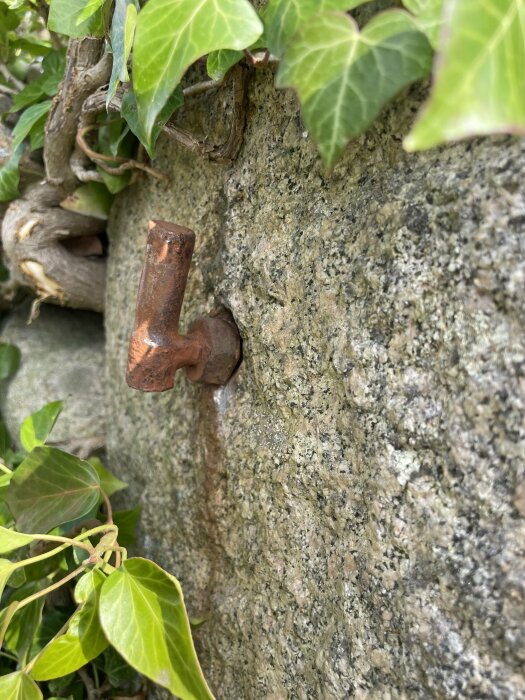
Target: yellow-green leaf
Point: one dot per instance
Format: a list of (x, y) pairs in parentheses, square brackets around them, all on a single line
[(84, 639), (18, 686), (11, 540), (90, 7), (143, 616), (6, 569), (173, 34), (91, 199), (429, 16), (64, 15), (344, 77), (479, 85)]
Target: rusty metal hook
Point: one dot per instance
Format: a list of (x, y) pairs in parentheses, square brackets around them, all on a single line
[(211, 349)]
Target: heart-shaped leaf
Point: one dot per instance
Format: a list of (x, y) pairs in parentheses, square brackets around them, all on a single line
[(18, 686), (64, 16), (84, 639), (173, 34), (479, 82), (142, 602), (429, 16), (35, 430), (282, 18), (344, 77), (51, 487)]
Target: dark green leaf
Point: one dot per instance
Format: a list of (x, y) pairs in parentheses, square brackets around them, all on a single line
[(141, 601), (9, 360), (344, 76), (36, 428), (108, 482), (5, 440), (126, 521), (51, 487), (32, 117), (25, 623), (118, 672)]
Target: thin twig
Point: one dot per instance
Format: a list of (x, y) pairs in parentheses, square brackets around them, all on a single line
[(109, 508), (199, 88), (88, 682), (7, 90), (19, 85), (101, 159)]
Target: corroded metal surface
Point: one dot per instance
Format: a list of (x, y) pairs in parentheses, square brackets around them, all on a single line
[(210, 351)]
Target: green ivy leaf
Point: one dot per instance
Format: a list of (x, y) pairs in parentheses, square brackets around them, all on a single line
[(123, 27), (64, 16), (127, 521), (344, 77), (6, 569), (25, 623), (429, 17), (479, 85), (219, 63), (282, 18), (141, 601), (5, 440), (18, 686), (9, 360), (11, 540), (108, 481), (90, 7), (36, 428), (130, 113), (92, 199), (10, 176), (30, 118), (84, 639), (51, 487), (53, 67), (173, 34)]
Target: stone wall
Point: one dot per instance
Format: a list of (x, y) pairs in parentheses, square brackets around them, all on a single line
[(348, 513)]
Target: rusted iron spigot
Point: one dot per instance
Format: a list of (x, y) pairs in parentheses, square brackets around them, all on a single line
[(211, 349)]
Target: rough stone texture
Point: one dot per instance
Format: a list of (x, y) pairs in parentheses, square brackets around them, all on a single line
[(62, 358), (348, 513)]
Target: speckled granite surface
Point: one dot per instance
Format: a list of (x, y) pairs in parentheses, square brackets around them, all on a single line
[(62, 359), (348, 512)]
